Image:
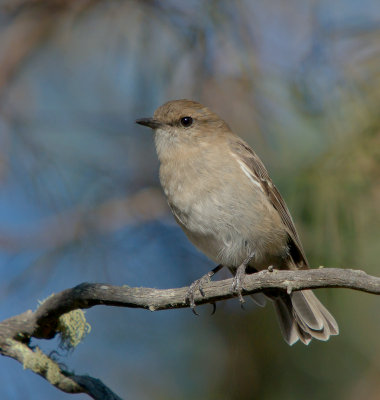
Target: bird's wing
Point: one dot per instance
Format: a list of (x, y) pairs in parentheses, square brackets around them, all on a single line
[(258, 173)]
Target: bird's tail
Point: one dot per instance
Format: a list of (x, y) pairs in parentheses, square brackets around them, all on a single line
[(302, 316)]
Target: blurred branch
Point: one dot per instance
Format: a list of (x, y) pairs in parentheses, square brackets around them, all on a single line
[(19, 40), (44, 323), (31, 22), (72, 225)]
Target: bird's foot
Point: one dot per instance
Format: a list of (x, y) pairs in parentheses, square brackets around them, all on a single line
[(198, 285), (238, 282)]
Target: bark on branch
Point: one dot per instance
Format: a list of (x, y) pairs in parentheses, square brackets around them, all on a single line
[(46, 321)]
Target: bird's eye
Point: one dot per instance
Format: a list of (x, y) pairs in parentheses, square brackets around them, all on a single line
[(186, 121)]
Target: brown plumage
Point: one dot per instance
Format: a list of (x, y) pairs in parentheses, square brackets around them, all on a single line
[(221, 195)]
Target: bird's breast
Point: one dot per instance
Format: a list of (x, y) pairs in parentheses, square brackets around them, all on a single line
[(221, 211)]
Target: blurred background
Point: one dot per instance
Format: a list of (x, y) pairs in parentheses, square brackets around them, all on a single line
[(80, 198)]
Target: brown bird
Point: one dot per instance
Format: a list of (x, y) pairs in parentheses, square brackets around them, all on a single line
[(221, 195)]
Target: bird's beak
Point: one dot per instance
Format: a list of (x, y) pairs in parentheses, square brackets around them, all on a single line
[(150, 122)]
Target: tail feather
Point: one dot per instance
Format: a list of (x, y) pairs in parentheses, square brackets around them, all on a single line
[(302, 316), (303, 336), (287, 323), (306, 307), (333, 326), (260, 299)]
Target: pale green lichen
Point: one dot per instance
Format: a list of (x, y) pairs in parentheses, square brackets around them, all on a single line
[(41, 364), (72, 328)]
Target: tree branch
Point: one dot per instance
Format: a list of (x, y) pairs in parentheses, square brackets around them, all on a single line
[(46, 321)]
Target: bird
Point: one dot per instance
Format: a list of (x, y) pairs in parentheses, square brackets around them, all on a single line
[(221, 195)]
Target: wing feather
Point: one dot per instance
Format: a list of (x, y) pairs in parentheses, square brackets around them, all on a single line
[(259, 172)]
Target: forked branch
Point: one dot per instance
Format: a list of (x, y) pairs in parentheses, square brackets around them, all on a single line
[(45, 322)]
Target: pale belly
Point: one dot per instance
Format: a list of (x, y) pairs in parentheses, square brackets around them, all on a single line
[(228, 229)]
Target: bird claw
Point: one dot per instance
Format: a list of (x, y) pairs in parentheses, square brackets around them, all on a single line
[(238, 282), (237, 285), (196, 285)]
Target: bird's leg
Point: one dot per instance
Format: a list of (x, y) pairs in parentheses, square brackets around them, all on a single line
[(198, 285), (237, 284)]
